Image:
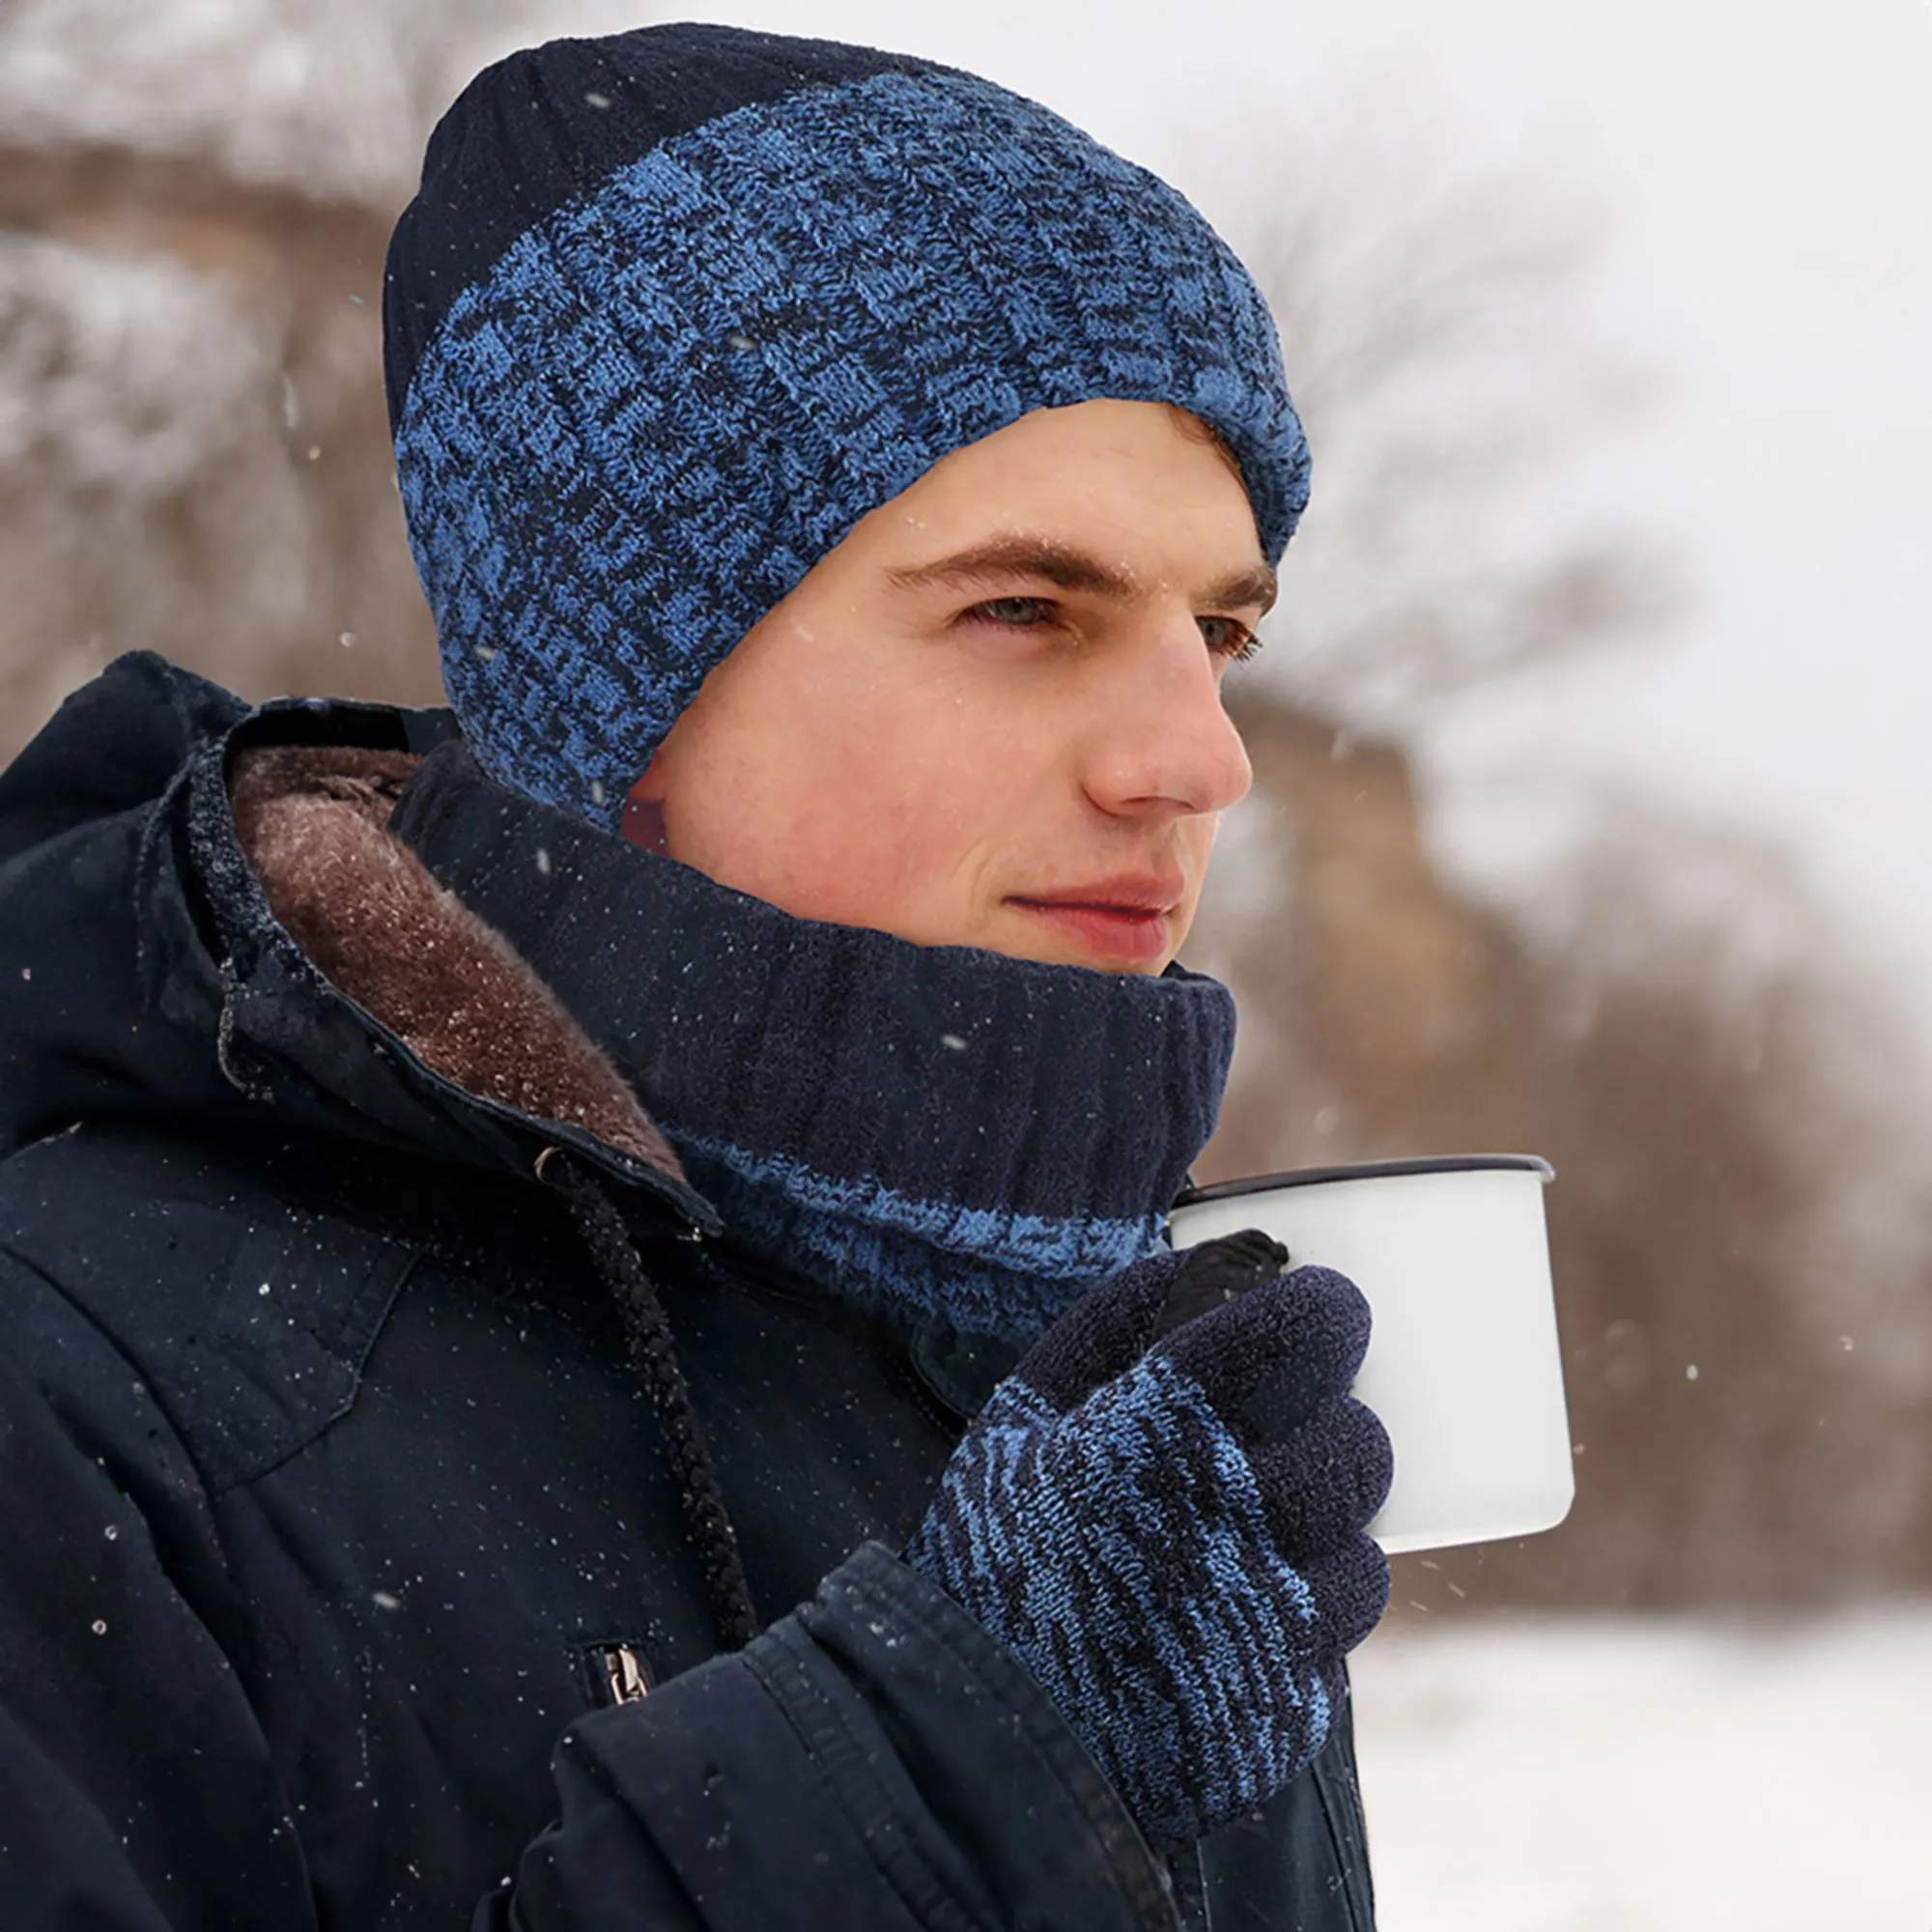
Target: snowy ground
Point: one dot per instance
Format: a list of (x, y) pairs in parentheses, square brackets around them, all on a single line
[(1658, 1776)]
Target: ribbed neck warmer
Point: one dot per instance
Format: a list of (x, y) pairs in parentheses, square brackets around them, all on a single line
[(934, 1134)]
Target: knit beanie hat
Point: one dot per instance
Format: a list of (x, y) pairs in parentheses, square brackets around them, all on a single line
[(673, 309)]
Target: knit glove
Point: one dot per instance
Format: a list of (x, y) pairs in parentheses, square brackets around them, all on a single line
[(1161, 1511)]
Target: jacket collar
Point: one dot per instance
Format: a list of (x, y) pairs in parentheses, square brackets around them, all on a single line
[(144, 971)]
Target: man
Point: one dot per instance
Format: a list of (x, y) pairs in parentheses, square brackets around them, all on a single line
[(502, 1206)]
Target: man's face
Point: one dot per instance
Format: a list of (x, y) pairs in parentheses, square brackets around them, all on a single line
[(992, 714)]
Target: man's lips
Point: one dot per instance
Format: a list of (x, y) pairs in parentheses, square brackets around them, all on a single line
[(1125, 920)]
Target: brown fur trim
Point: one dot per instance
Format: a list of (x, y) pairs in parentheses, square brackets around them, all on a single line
[(314, 823)]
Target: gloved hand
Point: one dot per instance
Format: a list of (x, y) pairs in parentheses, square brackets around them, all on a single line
[(1160, 1511)]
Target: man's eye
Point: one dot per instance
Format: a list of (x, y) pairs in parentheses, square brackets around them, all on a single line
[(1231, 639), (1020, 613)]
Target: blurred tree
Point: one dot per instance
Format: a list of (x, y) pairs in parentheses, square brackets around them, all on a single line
[(1744, 1238), (1740, 1227), (1437, 311), (194, 456)]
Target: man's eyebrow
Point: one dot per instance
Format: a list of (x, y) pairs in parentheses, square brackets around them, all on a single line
[(1257, 586), (1002, 558)]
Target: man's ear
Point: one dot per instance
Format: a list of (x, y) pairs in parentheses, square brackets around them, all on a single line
[(643, 810), (650, 788)]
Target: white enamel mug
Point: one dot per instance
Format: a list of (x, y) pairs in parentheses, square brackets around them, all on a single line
[(1463, 1367)]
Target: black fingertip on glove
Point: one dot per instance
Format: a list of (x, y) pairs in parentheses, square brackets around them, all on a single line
[(1218, 1271)]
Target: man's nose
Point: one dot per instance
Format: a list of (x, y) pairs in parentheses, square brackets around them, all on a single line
[(1162, 743)]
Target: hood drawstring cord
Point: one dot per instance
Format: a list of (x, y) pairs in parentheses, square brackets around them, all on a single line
[(654, 1356)]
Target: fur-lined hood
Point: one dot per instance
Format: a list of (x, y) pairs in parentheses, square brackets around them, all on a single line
[(203, 916), (312, 822)]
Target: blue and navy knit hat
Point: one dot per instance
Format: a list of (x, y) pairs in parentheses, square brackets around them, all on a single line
[(673, 309)]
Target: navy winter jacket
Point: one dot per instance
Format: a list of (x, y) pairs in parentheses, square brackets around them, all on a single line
[(344, 1578)]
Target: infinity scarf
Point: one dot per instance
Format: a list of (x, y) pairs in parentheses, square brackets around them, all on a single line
[(932, 1134)]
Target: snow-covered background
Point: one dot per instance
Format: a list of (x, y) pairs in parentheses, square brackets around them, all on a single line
[(1641, 1774)]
